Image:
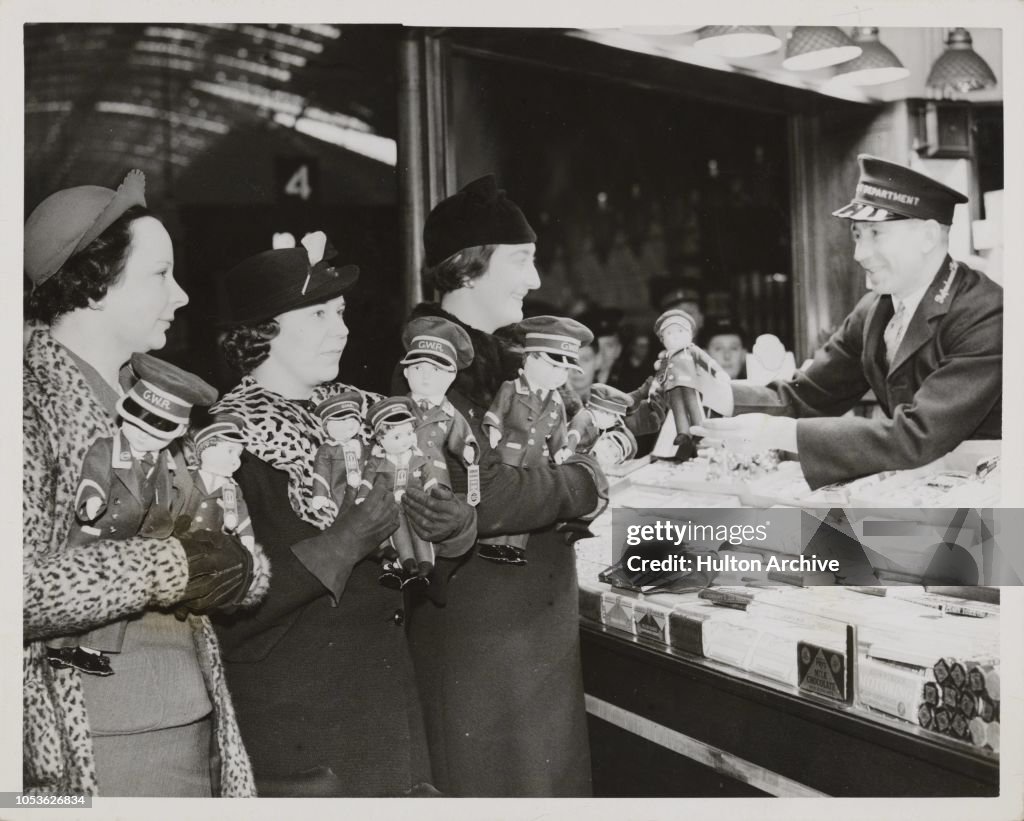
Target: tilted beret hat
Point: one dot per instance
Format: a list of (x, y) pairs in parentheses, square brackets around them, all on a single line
[(67, 221), (479, 214)]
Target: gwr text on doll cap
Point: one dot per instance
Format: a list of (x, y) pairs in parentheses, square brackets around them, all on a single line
[(437, 340), (556, 338), (163, 397)]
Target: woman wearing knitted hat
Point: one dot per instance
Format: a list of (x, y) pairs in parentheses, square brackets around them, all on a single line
[(498, 665), (102, 288), (321, 675)]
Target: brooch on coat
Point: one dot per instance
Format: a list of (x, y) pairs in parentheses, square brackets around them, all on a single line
[(940, 297)]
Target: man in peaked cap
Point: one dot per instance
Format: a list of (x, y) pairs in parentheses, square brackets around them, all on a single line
[(927, 340)]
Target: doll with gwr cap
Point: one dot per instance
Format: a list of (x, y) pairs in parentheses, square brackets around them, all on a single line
[(397, 457), (613, 447), (216, 501), (605, 409), (339, 461), (526, 422), (130, 485), (436, 350), (678, 377)]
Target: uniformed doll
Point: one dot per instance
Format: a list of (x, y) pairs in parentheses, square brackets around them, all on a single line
[(215, 501), (613, 447), (131, 484), (526, 422), (605, 410), (678, 377), (436, 349), (339, 461), (397, 457)]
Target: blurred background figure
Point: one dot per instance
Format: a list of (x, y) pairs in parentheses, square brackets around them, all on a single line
[(726, 343), (590, 362), (604, 324), (669, 292), (636, 363)]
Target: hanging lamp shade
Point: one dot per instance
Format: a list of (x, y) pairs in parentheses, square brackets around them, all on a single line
[(960, 68), (811, 47), (876, 64), (737, 41)]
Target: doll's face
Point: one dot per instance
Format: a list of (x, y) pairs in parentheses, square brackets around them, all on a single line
[(221, 458), (427, 380), (607, 452), (603, 419), (341, 430), (397, 439), (544, 374), (676, 336), (145, 442)]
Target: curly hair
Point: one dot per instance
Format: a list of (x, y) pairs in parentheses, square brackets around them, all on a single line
[(87, 275), (462, 266), (246, 347)]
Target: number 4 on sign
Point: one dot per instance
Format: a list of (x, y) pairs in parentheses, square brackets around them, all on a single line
[(298, 185)]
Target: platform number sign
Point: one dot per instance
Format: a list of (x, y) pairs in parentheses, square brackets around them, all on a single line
[(297, 179)]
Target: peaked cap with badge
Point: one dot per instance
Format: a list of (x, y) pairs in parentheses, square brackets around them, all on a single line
[(438, 341), (557, 339), (888, 191), (344, 405)]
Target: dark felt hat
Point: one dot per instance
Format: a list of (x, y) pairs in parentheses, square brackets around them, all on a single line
[(68, 221), (721, 326), (283, 279), (889, 191), (602, 321), (479, 214)]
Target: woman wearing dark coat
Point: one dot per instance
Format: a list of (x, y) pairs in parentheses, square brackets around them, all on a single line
[(320, 673), (496, 646)]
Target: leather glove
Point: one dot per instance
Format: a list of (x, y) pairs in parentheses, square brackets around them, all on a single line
[(359, 529), (356, 533), (438, 515), (220, 571)]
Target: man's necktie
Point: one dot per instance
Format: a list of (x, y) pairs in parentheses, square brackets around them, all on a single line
[(894, 332)]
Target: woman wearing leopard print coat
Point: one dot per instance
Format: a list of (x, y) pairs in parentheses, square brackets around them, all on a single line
[(100, 269)]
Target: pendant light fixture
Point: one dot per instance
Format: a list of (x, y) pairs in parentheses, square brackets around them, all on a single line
[(737, 41), (959, 68), (876, 64), (811, 47)]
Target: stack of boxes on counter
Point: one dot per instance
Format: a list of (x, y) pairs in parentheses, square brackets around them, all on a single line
[(923, 658)]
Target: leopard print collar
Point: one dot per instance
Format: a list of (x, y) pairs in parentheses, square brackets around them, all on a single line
[(286, 434)]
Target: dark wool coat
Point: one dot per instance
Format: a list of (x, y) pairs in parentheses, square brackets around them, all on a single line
[(945, 384), (68, 589), (324, 691), (498, 665)]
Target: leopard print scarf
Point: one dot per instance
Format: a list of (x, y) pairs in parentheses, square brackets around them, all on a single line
[(286, 434)]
